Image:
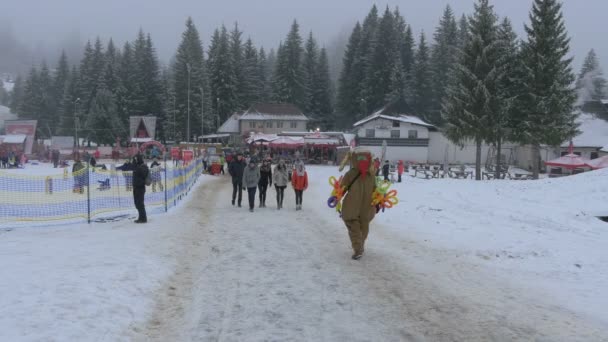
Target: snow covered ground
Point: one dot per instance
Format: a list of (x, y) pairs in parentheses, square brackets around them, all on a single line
[(456, 260)]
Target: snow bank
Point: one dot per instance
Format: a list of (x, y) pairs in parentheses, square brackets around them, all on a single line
[(542, 235), (83, 282)]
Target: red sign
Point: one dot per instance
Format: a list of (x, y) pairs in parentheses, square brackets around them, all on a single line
[(175, 153), (188, 155)]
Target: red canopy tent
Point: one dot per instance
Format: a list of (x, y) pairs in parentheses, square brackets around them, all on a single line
[(598, 163), (287, 142), (569, 161)]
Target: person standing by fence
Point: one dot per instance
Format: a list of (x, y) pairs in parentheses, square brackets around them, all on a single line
[(78, 171), (139, 187)]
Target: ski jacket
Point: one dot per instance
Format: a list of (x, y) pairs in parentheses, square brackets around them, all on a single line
[(280, 177), (400, 168), (236, 169), (299, 182), (385, 169), (251, 177), (357, 204), (139, 176), (265, 176)]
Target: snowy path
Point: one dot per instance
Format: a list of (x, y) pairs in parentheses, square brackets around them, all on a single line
[(287, 276)]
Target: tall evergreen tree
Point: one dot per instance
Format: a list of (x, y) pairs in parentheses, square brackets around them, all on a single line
[(264, 74), (4, 96), (591, 83), (422, 89), (125, 103), (17, 95), (473, 98), (252, 87), (443, 58), (61, 75), (236, 51), (463, 31), (30, 105), (407, 59), (69, 104), (188, 74), (222, 75), (509, 68), (348, 104), (362, 66), (547, 116), (382, 58), (311, 56), (288, 81), (322, 94)]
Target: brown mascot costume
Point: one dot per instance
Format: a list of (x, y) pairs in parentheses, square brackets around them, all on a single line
[(357, 210)]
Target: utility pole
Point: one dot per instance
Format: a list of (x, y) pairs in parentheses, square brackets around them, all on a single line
[(76, 123), (188, 130), (202, 113)]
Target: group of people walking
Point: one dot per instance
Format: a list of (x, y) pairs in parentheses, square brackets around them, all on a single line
[(253, 178)]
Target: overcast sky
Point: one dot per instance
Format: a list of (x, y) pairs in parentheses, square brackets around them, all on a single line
[(49, 22)]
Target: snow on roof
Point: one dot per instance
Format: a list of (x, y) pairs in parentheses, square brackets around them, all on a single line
[(604, 102), (141, 140), (13, 139), (594, 132), (273, 111), (213, 136), (414, 120), (231, 125), (348, 137)]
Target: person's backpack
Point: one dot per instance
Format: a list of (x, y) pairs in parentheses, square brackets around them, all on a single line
[(148, 179)]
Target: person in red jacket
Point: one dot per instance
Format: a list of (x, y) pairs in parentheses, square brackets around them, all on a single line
[(400, 169), (299, 181)]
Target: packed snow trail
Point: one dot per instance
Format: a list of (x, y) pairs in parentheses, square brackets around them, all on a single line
[(287, 276)]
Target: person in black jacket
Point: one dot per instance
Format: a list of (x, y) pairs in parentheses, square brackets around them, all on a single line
[(139, 187), (236, 169), (385, 170), (265, 181)]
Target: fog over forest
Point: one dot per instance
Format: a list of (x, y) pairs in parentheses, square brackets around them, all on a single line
[(34, 30)]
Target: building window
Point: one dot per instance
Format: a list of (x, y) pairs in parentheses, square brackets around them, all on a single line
[(370, 133), (293, 124), (412, 134), (563, 153), (594, 155), (396, 124), (279, 124), (251, 124), (268, 124), (395, 133)]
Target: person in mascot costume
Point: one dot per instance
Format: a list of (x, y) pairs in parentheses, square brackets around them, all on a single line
[(357, 210)]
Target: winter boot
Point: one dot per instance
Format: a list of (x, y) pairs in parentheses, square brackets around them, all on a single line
[(356, 256), (250, 210)]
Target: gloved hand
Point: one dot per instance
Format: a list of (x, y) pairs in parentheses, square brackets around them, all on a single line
[(377, 208)]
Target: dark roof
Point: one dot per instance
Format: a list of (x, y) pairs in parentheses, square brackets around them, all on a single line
[(274, 111)]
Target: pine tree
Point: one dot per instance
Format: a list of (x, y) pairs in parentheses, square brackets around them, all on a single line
[(381, 62), (591, 84), (288, 81), (348, 96), (362, 66), (271, 65), (322, 94), (17, 95), (69, 104), (102, 124), (473, 97), (4, 95), (443, 58), (407, 59), (264, 74), (47, 117), (502, 121), (422, 87), (252, 87), (548, 96), (236, 51), (463, 32), (188, 70), (126, 91), (62, 73), (222, 76), (30, 105), (311, 56)]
